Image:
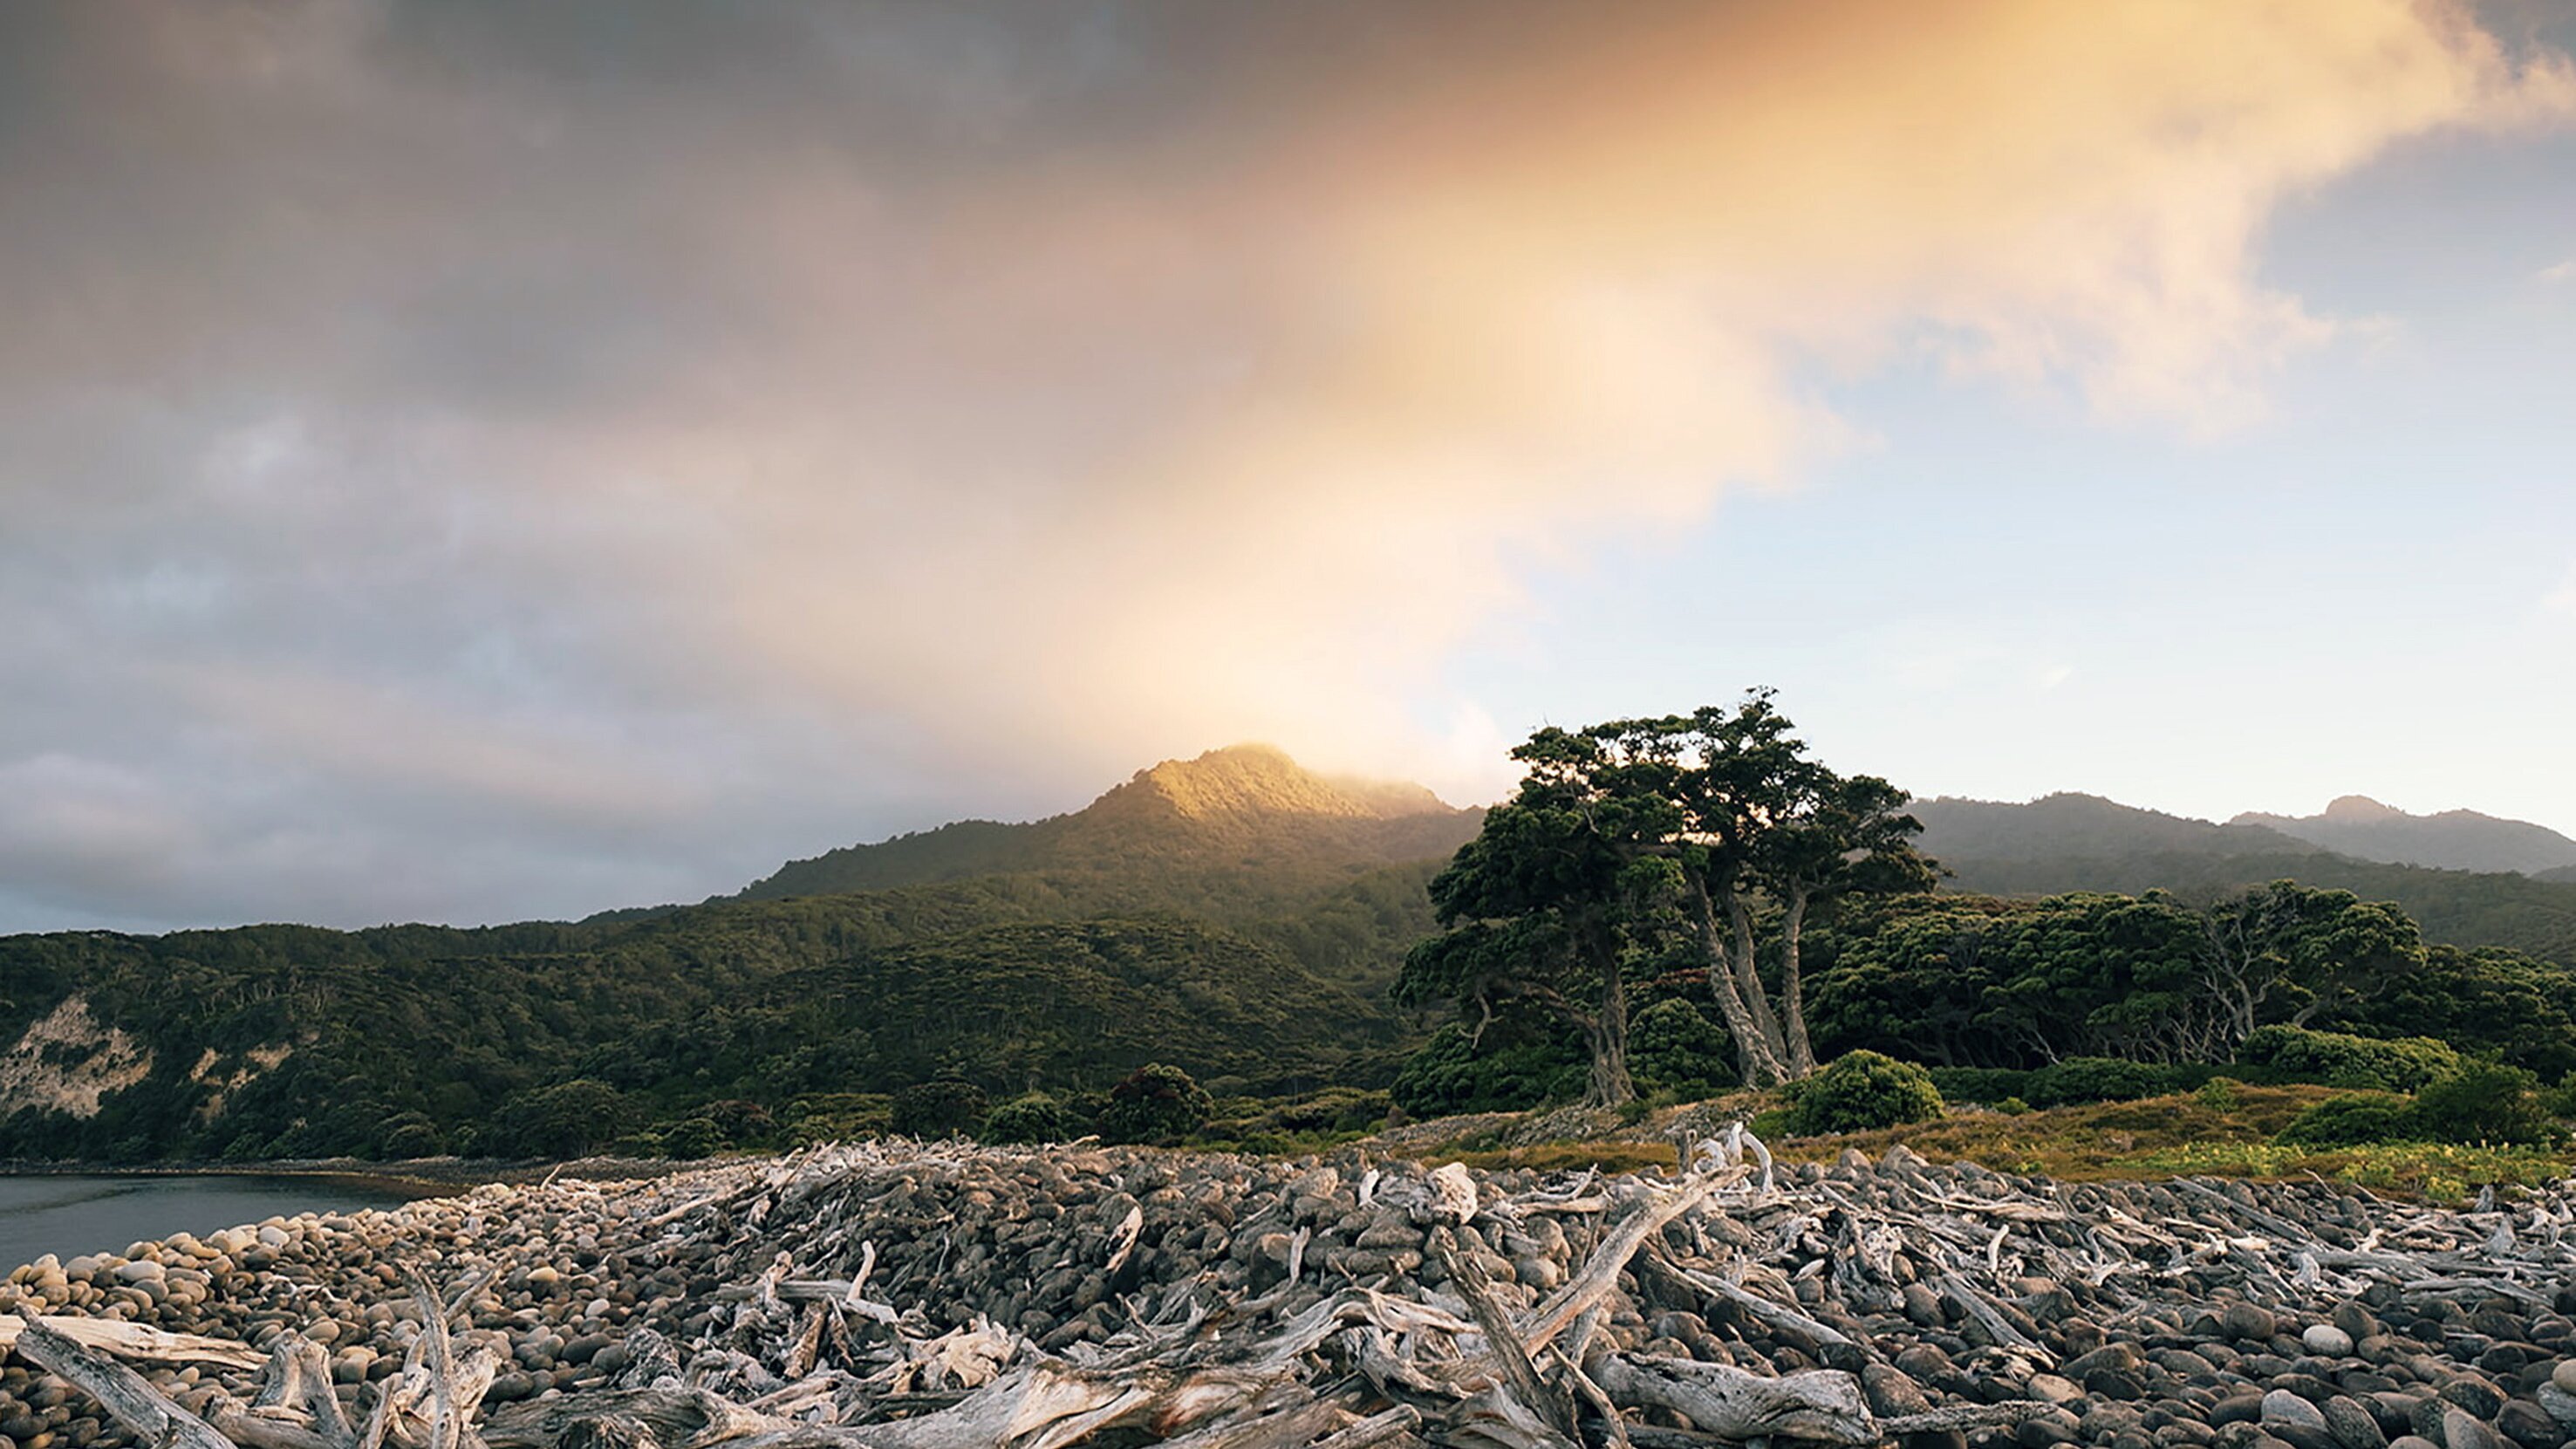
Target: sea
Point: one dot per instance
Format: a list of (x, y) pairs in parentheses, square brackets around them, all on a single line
[(68, 1216)]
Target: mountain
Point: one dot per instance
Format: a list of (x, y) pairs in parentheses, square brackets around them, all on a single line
[(2085, 826), (1235, 829), (2062, 843), (2359, 826), (1233, 915)]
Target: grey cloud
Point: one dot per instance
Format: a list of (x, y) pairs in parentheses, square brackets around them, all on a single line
[(467, 459)]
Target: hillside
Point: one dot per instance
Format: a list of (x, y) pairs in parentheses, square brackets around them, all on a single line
[(1234, 830), (2085, 843), (1233, 915), (2361, 827)]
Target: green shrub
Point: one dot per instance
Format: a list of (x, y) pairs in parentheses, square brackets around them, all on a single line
[(836, 1117), (2218, 1094), (2013, 1107), (1774, 1123), (564, 1120), (744, 1123), (408, 1135), (694, 1138), (940, 1107), (1673, 1047), (2407, 1064), (1036, 1117), (1508, 1071), (2355, 1119), (1334, 1109), (1990, 1085), (2079, 1080), (1156, 1104), (2485, 1101), (1862, 1090)]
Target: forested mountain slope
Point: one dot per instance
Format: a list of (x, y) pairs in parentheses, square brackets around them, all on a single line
[(1233, 915), (2359, 826), (2084, 843), (1235, 829)]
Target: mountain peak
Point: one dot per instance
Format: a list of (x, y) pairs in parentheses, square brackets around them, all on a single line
[(1254, 780), (2359, 826)]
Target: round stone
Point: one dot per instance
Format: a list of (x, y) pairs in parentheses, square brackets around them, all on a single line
[(2280, 1406), (2326, 1340)]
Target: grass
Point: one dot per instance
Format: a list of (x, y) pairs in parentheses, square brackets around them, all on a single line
[(2203, 1134)]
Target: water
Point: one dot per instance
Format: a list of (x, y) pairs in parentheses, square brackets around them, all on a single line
[(73, 1215)]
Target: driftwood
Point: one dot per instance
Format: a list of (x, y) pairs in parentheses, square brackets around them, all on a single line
[(1544, 1312), (133, 1341), (1823, 1404), (119, 1390)]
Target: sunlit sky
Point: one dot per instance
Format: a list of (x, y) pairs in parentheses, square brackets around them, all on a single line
[(471, 462)]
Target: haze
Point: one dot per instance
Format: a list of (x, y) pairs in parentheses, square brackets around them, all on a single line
[(471, 461)]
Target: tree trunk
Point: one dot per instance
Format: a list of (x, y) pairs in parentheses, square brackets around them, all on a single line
[(1760, 1069), (1793, 1003), (1748, 979), (1607, 1035)]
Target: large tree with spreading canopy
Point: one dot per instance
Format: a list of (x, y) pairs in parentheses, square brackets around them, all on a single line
[(1713, 829)]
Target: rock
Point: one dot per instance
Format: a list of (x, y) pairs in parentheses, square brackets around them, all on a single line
[(2054, 1389), (2245, 1321), (2326, 1340), (2558, 1403), (2237, 1408), (2481, 1398), (2281, 1406), (2528, 1426), (2564, 1376), (2461, 1430), (2352, 1425)]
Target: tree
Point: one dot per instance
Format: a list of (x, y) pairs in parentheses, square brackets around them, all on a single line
[(1623, 836), (1544, 904), (2291, 952), (1753, 829)]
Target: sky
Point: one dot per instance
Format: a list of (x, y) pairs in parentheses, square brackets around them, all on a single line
[(472, 461)]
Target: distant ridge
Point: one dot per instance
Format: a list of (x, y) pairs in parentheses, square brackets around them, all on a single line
[(1245, 818), (2357, 825), (2068, 842), (2067, 824)]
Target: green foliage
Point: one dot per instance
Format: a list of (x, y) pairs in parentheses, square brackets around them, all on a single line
[(2218, 1094), (941, 1107), (1155, 1104), (2078, 1080), (1631, 838), (1673, 1047), (1517, 1065), (693, 1138), (2013, 1107), (2482, 1001), (1030, 1117), (2355, 1119), (1862, 1090), (2337, 1060), (837, 1117), (2486, 1101), (1990, 1085), (566, 1120), (408, 1135)]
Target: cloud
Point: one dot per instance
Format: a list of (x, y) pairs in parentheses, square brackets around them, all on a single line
[(2557, 272), (813, 414)]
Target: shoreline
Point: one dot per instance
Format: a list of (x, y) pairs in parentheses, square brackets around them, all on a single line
[(418, 1178)]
